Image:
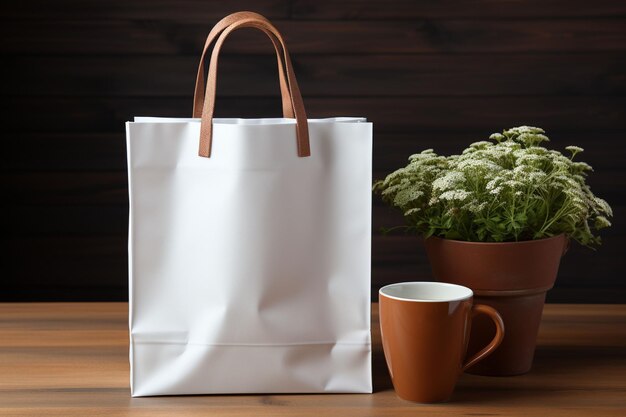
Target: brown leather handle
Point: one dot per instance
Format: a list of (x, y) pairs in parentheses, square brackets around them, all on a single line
[(497, 339), (198, 97), (206, 129)]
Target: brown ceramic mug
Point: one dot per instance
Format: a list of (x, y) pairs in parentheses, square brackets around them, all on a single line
[(425, 329)]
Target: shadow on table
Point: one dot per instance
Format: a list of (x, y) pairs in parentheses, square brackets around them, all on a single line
[(552, 360), (381, 378), (555, 369)]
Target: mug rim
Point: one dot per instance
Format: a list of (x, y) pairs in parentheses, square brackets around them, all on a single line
[(467, 296)]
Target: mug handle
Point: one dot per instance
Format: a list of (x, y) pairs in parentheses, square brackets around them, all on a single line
[(497, 339)]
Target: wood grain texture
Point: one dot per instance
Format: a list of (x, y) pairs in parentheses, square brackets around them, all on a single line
[(138, 9), (419, 36), (389, 114), (307, 9), (67, 152), (415, 9), (349, 75), (61, 359), (94, 267), (110, 188), (429, 74)]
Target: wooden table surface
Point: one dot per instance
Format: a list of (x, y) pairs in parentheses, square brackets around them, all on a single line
[(71, 359)]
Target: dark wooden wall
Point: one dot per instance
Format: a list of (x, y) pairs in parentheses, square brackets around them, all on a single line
[(427, 73)]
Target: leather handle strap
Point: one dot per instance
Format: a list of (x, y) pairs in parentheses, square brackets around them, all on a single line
[(206, 129), (198, 97), (497, 339)]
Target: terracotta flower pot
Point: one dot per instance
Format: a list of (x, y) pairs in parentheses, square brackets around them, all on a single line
[(513, 278)]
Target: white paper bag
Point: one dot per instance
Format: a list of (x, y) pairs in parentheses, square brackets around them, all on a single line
[(250, 269)]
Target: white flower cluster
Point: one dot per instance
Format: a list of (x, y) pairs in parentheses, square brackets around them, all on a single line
[(469, 164), (508, 189), (406, 196), (574, 149), (603, 206), (448, 181), (455, 195)]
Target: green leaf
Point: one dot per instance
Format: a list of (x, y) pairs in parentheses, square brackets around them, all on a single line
[(453, 234)]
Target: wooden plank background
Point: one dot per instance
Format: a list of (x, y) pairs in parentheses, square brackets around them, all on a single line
[(428, 74)]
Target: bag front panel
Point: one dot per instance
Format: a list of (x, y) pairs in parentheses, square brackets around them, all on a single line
[(251, 250)]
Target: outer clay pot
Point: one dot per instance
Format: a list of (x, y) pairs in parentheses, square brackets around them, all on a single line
[(513, 278)]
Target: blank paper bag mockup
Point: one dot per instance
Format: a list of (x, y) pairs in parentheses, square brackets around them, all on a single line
[(250, 257)]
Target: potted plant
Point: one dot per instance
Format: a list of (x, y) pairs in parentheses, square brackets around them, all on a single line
[(497, 219)]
